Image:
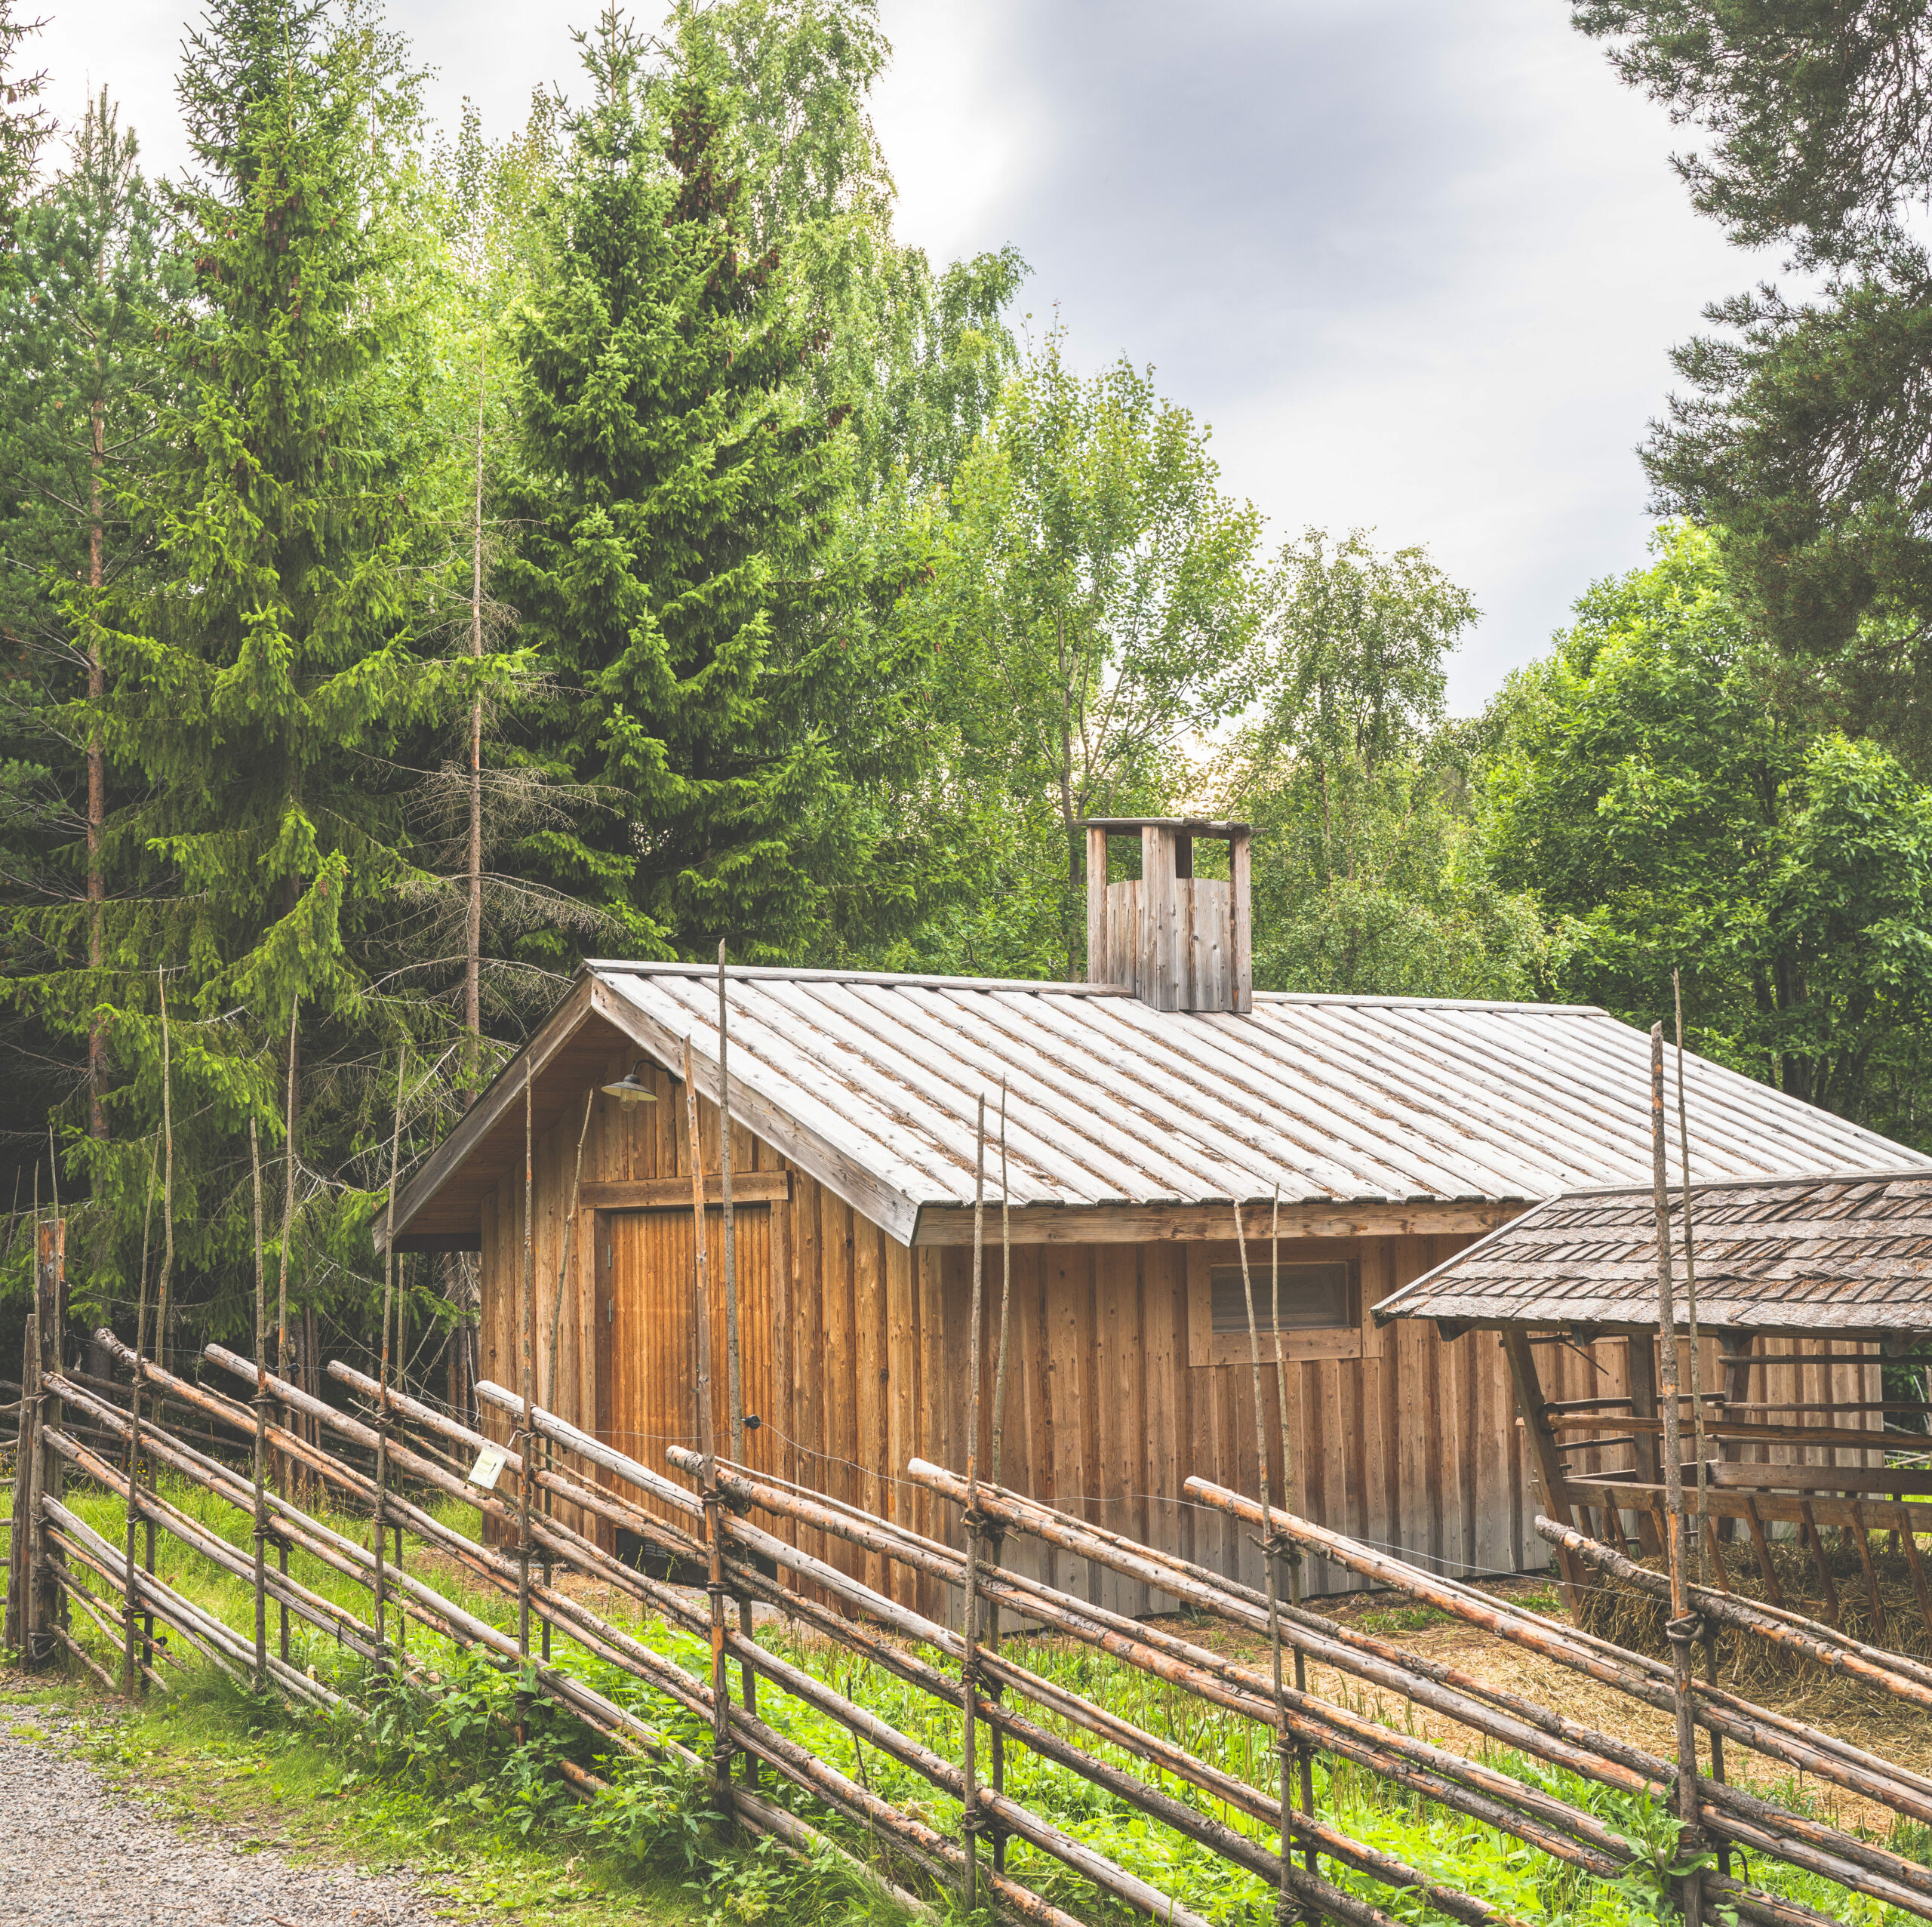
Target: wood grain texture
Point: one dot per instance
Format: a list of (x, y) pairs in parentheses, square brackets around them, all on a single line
[(856, 1350)]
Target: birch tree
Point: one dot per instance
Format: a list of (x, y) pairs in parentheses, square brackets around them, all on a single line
[(1101, 597)]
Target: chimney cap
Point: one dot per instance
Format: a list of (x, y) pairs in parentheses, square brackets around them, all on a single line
[(1188, 825)]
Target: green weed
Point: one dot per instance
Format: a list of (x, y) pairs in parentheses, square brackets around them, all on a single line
[(437, 1776)]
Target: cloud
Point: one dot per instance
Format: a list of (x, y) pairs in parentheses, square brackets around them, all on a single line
[(1420, 265)]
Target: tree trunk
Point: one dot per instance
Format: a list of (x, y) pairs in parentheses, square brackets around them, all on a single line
[(96, 783), (1074, 846), (473, 969)]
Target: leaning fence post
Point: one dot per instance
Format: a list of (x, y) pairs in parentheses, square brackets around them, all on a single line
[(20, 1538), (1281, 1546), (734, 1363), (49, 1602), (1285, 1907), (707, 1438), (975, 1520), (379, 1508), (261, 1402), (529, 1321), (995, 1532), (132, 1680), (1682, 1629)]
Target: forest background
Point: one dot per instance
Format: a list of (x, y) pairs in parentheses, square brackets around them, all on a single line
[(427, 560)]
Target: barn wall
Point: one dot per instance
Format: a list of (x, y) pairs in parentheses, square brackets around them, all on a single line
[(864, 1364)]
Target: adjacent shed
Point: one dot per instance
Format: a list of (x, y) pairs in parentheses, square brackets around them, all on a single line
[(1805, 1286), (1143, 1107)]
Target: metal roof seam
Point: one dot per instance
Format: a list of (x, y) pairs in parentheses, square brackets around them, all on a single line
[(1165, 1119)]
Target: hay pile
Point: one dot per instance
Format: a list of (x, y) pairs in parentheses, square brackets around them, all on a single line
[(1752, 1666)]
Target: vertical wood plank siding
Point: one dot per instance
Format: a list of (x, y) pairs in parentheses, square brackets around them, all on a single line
[(856, 1355)]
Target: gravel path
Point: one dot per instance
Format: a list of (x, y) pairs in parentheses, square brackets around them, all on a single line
[(74, 1854)]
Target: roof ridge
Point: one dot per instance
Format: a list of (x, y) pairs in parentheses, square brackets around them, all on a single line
[(923, 981), (1383, 1003), (787, 973)]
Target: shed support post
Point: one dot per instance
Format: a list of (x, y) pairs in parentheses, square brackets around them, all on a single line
[(1643, 1370), (1544, 1461), (1736, 1347)]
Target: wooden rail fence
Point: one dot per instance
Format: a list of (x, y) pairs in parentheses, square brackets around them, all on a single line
[(84, 1431)]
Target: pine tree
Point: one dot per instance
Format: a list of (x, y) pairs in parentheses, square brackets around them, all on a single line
[(259, 674), (685, 569)]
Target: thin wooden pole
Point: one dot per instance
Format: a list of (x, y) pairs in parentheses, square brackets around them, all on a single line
[(721, 1743), (564, 1261), (528, 1322), (133, 1670), (1290, 1556), (734, 1359), (48, 1601), (261, 1402), (995, 1534), (26, 1475), (970, 1665), (281, 1280), (379, 1511), (557, 1322), (1682, 1629), (1005, 1289), (1690, 1285), (734, 1383), (167, 1257), (1284, 1905)]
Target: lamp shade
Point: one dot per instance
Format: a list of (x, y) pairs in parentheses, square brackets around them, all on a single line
[(630, 1088)]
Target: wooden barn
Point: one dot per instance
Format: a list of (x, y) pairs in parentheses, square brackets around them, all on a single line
[(1142, 1106), (1805, 1287)]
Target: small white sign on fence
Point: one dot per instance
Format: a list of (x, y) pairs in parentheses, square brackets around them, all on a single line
[(489, 1468)]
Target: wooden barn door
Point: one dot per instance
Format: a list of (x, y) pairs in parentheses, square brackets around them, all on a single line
[(647, 1368)]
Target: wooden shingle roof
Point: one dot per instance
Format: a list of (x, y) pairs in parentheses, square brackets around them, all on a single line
[(1847, 1254)]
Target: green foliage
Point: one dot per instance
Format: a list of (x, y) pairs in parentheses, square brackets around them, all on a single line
[(1677, 793), (1094, 600), (684, 569), (1796, 437), (81, 298), (261, 664), (1367, 865), (24, 124)]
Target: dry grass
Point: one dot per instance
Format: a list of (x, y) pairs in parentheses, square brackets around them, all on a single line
[(1749, 1665)]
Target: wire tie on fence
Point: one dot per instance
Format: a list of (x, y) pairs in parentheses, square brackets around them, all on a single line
[(1687, 1630)]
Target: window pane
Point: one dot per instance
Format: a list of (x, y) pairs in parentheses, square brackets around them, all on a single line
[(1313, 1297)]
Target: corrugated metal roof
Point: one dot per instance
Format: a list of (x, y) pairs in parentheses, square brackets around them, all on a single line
[(1845, 1254), (872, 1081)]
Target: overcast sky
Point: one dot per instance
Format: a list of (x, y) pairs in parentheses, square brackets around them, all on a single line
[(1420, 265)]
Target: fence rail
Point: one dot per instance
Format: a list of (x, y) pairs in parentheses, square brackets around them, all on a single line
[(72, 1578)]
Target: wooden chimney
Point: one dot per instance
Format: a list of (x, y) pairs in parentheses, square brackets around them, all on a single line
[(1178, 941)]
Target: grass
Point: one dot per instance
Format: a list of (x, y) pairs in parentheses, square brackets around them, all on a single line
[(435, 1779), (209, 1759)]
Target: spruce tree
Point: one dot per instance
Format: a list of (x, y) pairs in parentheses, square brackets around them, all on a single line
[(685, 568), (78, 390), (261, 668)]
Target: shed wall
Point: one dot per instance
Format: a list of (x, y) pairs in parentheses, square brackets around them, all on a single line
[(857, 1354)]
